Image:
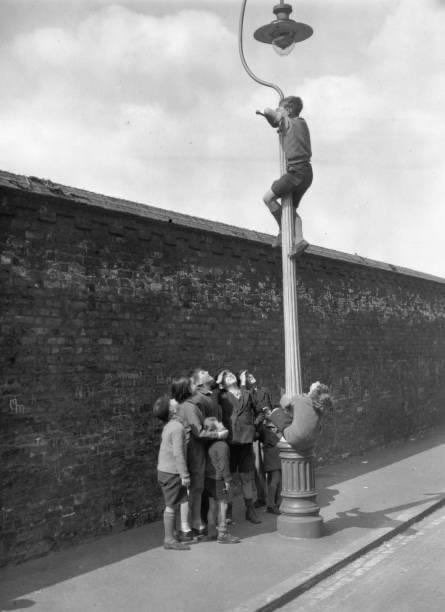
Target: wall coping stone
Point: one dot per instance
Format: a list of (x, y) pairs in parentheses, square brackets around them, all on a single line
[(46, 187)]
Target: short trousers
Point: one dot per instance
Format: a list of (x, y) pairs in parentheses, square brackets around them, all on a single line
[(242, 458), (172, 488), (216, 489), (196, 480), (295, 182)]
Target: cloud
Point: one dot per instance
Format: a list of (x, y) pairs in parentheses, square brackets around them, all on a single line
[(155, 106)]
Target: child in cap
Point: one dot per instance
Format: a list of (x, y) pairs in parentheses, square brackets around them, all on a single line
[(173, 475), (217, 483)]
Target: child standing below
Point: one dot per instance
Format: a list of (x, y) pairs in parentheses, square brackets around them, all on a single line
[(270, 436), (298, 178), (173, 475), (217, 484)]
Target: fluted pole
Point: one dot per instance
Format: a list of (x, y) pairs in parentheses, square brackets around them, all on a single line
[(292, 362), (300, 513)]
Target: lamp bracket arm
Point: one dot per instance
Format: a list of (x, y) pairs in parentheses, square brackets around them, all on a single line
[(243, 59)]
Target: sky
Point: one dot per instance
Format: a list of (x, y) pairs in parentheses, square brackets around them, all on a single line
[(147, 100)]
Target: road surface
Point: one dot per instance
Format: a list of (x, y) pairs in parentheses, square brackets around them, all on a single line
[(406, 574)]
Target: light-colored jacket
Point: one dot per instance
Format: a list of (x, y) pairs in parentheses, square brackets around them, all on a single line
[(172, 452)]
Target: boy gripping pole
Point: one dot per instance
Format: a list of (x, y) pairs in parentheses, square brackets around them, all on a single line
[(298, 178)]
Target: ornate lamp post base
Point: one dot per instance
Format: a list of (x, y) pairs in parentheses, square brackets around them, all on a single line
[(299, 510)]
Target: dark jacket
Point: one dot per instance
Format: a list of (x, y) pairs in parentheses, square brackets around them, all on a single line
[(261, 399), (271, 452), (238, 416), (207, 401)]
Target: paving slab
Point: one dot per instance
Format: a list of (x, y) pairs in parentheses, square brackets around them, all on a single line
[(364, 501)]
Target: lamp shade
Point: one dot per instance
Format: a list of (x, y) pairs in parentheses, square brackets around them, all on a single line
[(286, 30)]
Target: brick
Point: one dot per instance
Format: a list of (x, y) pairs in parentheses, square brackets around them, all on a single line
[(120, 316)]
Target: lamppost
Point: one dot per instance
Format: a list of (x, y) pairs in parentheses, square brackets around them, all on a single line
[(300, 512)]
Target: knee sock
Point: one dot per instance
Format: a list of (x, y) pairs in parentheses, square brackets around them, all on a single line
[(169, 525)]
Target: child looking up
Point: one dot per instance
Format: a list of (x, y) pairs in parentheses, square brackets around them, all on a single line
[(173, 475), (217, 483), (298, 178)]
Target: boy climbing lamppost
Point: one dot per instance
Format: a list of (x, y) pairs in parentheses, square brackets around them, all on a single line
[(282, 34)]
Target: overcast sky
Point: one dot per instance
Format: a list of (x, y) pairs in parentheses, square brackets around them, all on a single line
[(147, 100)]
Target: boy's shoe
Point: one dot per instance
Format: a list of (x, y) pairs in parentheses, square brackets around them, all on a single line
[(273, 510), (277, 241), (259, 503), (226, 538), (198, 534), (176, 546), (185, 536), (251, 514), (299, 248)]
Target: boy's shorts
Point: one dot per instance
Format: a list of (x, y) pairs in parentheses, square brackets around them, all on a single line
[(242, 458), (296, 182), (173, 490), (216, 489)]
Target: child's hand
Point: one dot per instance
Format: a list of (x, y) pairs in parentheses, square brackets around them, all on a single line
[(186, 481), (227, 486)]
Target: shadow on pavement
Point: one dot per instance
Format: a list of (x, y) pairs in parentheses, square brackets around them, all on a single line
[(374, 520), (17, 604), (17, 581)]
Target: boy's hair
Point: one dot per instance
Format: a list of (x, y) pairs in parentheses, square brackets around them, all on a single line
[(295, 102), (181, 388), (194, 374), (321, 398), (161, 408)]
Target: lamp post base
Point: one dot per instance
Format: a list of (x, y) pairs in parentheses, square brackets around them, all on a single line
[(299, 510)]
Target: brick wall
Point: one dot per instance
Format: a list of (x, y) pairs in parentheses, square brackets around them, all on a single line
[(103, 301)]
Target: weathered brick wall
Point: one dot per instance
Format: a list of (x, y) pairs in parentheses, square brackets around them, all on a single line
[(99, 308)]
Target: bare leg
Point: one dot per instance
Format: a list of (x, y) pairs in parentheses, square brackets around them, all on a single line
[(224, 536), (195, 509), (247, 487), (184, 512), (212, 516), (270, 200)]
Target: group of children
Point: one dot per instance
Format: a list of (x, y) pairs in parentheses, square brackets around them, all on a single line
[(210, 425)]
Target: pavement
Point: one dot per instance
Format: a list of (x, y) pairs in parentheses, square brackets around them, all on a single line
[(364, 501)]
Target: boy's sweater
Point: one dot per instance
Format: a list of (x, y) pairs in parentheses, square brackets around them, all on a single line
[(218, 461), (171, 458)]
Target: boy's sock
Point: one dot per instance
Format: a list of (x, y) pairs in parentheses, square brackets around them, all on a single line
[(170, 542)]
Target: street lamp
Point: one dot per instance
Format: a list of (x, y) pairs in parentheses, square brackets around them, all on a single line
[(300, 512), (283, 32)]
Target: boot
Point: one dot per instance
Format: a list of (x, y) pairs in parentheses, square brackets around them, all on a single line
[(170, 542), (224, 537), (251, 514), (299, 248), (277, 241)]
